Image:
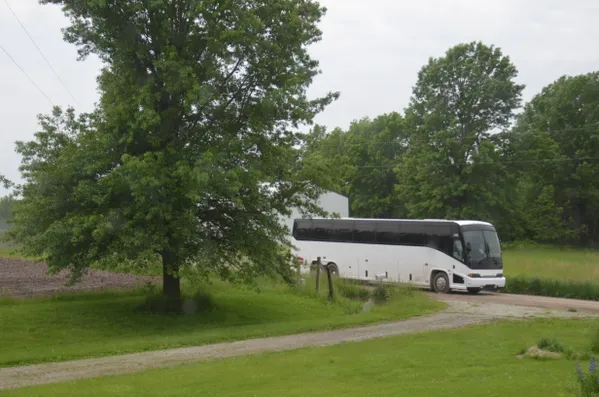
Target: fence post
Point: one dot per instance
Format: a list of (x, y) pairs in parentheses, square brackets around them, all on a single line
[(318, 265), (330, 278)]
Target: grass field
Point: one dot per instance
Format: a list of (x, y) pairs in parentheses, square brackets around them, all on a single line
[(475, 361), (7, 251), (99, 324), (580, 265)]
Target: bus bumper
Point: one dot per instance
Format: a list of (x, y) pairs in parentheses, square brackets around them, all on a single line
[(485, 283)]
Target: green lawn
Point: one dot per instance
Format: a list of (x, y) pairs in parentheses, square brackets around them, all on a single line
[(100, 324), (475, 361), (552, 263)]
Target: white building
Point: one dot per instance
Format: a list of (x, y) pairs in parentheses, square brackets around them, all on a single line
[(331, 202)]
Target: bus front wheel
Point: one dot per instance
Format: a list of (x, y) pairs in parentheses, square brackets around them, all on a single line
[(441, 283)]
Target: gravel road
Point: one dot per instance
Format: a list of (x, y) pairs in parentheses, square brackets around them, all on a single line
[(458, 314), (539, 302)]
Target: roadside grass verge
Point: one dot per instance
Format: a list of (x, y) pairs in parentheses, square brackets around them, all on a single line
[(551, 263), (97, 324), (473, 361), (551, 271), (552, 288)]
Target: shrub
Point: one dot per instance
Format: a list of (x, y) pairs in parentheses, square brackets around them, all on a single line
[(551, 345), (552, 288), (351, 290), (382, 293), (589, 382)]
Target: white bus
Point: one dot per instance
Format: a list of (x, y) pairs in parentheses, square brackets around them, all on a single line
[(438, 254)]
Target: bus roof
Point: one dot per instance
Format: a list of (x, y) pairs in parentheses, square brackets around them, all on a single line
[(460, 223)]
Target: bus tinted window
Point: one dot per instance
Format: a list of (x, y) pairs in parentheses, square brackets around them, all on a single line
[(387, 233), (439, 237), (412, 234), (343, 231), (321, 230), (302, 229), (365, 232)]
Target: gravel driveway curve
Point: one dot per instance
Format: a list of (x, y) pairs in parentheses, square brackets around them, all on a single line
[(458, 314)]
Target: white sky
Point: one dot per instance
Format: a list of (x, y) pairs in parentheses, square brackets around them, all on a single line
[(371, 53)]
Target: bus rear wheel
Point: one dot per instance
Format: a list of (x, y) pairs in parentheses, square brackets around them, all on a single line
[(441, 283)]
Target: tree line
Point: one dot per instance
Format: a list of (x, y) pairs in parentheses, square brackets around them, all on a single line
[(466, 148)]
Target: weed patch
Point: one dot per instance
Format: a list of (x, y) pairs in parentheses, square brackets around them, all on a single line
[(552, 288)]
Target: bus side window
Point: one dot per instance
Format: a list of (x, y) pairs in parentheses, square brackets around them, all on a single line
[(458, 250), (387, 233), (365, 232), (321, 230), (342, 231)]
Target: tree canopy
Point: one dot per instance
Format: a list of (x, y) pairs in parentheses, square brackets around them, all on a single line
[(458, 101), (558, 138), (192, 150)]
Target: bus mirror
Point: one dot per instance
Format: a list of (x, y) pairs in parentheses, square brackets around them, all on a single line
[(468, 247)]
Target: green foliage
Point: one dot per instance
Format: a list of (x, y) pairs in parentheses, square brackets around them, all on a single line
[(552, 345), (351, 289), (191, 153), (589, 382), (6, 205), (5, 182), (558, 136), (453, 166), (382, 293), (361, 161), (553, 288)]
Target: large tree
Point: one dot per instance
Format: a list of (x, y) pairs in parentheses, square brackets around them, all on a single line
[(558, 142), (190, 154), (455, 165)]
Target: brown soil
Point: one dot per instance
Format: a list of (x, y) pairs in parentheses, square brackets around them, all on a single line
[(20, 278)]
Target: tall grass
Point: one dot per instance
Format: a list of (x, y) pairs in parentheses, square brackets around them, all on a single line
[(551, 263), (552, 288)]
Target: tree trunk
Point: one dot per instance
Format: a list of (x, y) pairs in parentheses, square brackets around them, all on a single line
[(171, 283)]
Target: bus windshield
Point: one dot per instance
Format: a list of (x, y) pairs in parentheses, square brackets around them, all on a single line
[(483, 250)]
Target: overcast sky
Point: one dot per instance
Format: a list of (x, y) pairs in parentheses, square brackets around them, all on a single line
[(371, 53)]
